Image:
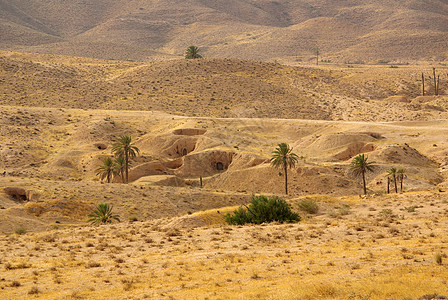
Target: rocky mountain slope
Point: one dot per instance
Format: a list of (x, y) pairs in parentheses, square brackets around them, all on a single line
[(258, 29)]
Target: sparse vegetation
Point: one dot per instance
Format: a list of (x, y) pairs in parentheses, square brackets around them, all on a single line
[(107, 170), (20, 230), (284, 158), (124, 148), (401, 174), (192, 52), (33, 291), (359, 167), (180, 240), (103, 214), (119, 167), (308, 205), (386, 214), (393, 175), (263, 210)]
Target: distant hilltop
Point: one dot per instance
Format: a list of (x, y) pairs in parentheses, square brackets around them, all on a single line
[(284, 31)]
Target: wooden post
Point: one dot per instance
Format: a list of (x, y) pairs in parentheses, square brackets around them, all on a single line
[(388, 184), (435, 81), (423, 84), (200, 179), (438, 84)]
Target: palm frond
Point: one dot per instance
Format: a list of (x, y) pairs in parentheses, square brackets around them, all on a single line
[(360, 165), (283, 156), (103, 214)]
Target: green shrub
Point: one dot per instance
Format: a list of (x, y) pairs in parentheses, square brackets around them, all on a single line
[(263, 210), (103, 214), (438, 259), (386, 214), (21, 230), (308, 205)]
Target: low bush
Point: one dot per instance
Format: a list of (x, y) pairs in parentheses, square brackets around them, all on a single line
[(103, 214), (308, 205), (21, 230), (263, 210)]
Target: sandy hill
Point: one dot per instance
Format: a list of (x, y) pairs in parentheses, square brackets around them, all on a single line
[(256, 29), (50, 157), (222, 88)]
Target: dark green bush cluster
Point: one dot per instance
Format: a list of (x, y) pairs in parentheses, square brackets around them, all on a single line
[(263, 210)]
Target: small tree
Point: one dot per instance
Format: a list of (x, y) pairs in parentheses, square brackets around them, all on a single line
[(192, 52), (393, 174), (125, 149), (119, 166), (401, 174), (360, 166), (102, 215), (284, 158), (107, 170)]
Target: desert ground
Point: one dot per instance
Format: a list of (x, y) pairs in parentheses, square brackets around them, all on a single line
[(220, 120)]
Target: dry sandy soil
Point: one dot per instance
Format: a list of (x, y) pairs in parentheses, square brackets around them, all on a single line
[(224, 88), (375, 248), (172, 243)]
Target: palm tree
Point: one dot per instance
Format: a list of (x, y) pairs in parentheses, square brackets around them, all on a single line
[(119, 165), (401, 176), (103, 214), (106, 170), (124, 148), (393, 173), (283, 157), (360, 166), (193, 52)]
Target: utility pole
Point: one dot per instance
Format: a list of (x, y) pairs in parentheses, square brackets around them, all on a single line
[(435, 81), (423, 84)]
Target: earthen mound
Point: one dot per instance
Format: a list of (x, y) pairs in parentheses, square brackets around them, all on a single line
[(189, 131), (180, 147), (423, 99), (169, 145), (335, 144), (354, 149), (205, 163), (97, 130), (401, 154), (266, 179), (153, 168)]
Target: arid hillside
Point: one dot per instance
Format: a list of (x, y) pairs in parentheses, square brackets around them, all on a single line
[(258, 29), (206, 130), (50, 157), (223, 88)]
